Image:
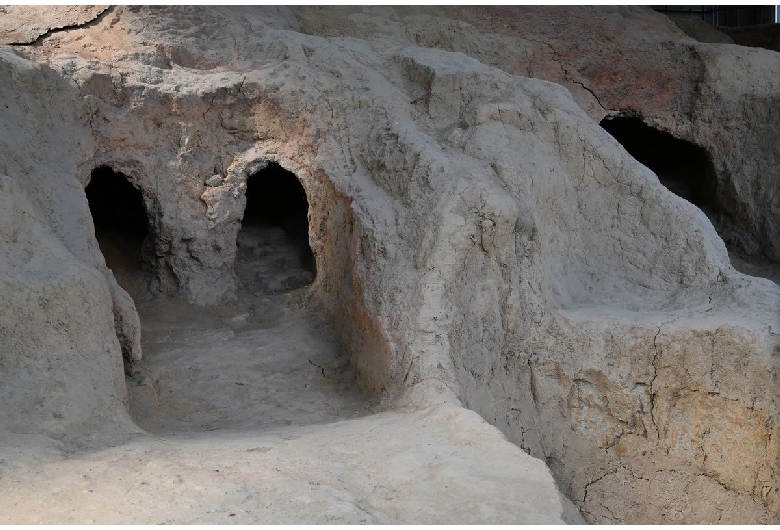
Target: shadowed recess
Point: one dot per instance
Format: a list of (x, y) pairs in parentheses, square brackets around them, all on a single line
[(684, 168), (273, 254), (121, 224), (687, 171)]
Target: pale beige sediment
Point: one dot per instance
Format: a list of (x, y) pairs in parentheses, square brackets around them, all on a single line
[(479, 238)]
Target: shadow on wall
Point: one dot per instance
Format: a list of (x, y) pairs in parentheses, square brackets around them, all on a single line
[(121, 229), (273, 253)]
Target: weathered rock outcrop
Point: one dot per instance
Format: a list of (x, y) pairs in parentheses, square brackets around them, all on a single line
[(699, 92), (26, 24), (61, 362), (477, 234)]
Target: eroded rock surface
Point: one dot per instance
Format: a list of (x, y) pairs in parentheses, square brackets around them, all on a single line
[(25, 24), (479, 239)]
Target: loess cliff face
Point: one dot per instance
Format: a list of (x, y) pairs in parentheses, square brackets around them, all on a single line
[(478, 236)]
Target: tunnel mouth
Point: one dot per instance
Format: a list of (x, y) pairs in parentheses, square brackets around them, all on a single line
[(121, 227), (273, 255), (268, 357), (682, 167), (687, 170)]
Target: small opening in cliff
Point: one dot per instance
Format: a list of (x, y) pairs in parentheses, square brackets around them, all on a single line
[(687, 170), (684, 168), (273, 254), (121, 226)]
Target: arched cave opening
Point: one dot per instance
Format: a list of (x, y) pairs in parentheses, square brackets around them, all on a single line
[(273, 253), (121, 226), (270, 356), (683, 167)]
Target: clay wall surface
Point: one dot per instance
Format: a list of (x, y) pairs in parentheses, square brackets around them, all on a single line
[(478, 236)]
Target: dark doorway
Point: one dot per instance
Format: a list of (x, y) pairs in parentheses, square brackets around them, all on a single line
[(684, 168), (121, 226), (687, 170), (273, 254)]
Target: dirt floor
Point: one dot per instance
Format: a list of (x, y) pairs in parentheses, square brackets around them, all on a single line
[(253, 415), (274, 363), (758, 267), (270, 359), (439, 465)]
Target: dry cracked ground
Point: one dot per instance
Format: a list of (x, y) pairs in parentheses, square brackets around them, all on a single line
[(386, 265)]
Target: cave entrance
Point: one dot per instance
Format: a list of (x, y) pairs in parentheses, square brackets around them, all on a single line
[(684, 168), (121, 227), (687, 171), (273, 254), (268, 358)]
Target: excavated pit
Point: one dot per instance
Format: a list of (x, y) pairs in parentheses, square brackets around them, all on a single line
[(686, 170), (269, 359), (475, 238)]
